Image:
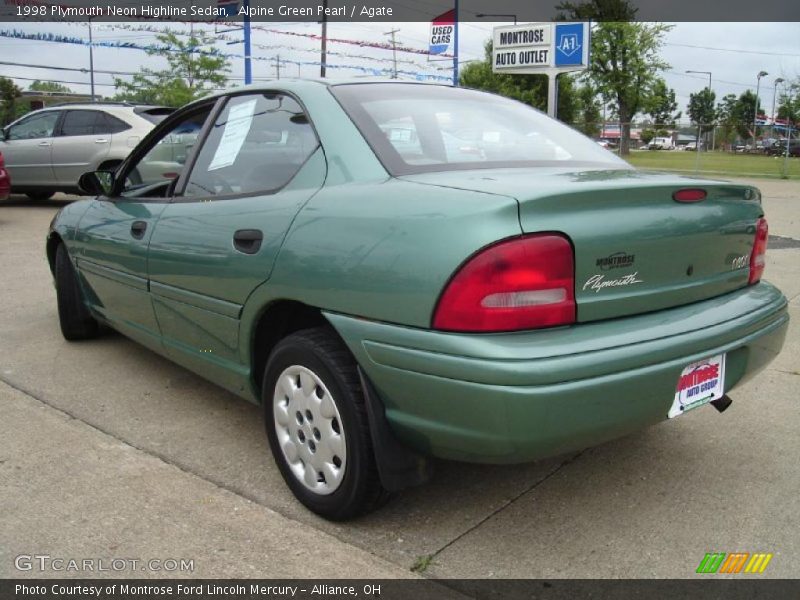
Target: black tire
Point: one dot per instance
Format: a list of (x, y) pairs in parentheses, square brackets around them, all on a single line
[(73, 316), (321, 351), (40, 195)]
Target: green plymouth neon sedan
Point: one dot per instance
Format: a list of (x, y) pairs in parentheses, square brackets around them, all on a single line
[(396, 271)]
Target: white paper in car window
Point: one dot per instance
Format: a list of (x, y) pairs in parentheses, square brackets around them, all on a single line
[(240, 118)]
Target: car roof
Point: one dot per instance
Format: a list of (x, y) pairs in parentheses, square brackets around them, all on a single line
[(309, 84)]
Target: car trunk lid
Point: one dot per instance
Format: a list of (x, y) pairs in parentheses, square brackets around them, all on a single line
[(636, 248)]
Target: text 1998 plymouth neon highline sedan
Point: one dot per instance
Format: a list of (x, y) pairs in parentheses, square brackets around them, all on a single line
[(400, 270)]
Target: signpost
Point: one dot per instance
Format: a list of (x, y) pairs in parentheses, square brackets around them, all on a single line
[(444, 33), (541, 48)]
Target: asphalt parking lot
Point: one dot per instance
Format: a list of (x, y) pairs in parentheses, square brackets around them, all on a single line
[(107, 449)]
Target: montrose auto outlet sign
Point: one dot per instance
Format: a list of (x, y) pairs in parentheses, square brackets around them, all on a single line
[(543, 48), (540, 47)]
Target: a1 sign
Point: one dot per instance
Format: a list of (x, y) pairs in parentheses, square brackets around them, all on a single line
[(570, 44)]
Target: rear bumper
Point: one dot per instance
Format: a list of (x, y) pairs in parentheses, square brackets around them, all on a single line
[(514, 397)]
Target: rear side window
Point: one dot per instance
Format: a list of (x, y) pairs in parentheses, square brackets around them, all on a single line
[(257, 144), (109, 124)]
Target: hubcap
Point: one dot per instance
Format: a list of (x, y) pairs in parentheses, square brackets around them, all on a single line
[(309, 430)]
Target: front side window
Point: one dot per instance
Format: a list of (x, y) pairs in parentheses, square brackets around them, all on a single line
[(165, 159), (415, 128), (257, 144), (34, 127)]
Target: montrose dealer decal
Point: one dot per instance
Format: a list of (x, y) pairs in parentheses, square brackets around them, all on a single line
[(618, 260)]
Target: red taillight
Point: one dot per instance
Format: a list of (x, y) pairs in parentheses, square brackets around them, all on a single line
[(689, 195), (524, 283), (758, 257)]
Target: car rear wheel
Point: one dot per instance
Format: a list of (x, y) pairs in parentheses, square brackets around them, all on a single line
[(317, 425), (73, 316), (40, 195)]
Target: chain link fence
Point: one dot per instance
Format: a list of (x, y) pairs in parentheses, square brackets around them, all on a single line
[(773, 151)]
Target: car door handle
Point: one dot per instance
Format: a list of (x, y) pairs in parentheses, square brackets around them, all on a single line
[(101, 141), (44, 143), (138, 228), (248, 241)]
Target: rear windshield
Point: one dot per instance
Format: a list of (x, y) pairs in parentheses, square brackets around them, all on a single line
[(417, 128), (155, 114)]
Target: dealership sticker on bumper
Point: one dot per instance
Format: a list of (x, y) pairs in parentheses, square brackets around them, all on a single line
[(699, 383)]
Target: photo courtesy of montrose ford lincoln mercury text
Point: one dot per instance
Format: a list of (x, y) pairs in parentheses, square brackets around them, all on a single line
[(399, 270)]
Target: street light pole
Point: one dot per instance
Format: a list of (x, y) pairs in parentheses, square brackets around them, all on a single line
[(755, 108), (508, 16), (774, 95), (789, 125)]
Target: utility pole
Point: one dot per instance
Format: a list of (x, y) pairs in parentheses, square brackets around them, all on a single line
[(394, 51), (278, 66), (324, 44)]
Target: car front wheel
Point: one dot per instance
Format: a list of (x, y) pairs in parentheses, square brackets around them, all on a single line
[(317, 425)]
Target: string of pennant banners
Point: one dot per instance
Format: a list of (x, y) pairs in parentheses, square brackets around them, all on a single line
[(118, 44)]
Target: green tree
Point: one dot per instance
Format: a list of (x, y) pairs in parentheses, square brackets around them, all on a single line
[(745, 111), (661, 105), (610, 10), (194, 69), (625, 62), (48, 86), (646, 135), (9, 97), (789, 105), (530, 89), (726, 117), (589, 114), (702, 112)]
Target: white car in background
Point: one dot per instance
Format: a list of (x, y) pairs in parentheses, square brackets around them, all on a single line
[(661, 143), (47, 150)]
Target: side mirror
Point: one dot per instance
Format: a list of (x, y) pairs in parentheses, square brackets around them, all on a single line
[(97, 183), (4, 133)]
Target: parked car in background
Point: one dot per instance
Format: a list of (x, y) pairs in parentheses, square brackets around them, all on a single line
[(334, 253), (48, 150), (692, 147), (779, 148), (661, 143), (5, 179)]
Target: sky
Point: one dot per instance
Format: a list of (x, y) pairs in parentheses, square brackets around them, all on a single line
[(733, 52)]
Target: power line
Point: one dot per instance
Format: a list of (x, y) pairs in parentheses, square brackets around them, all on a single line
[(737, 50), (736, 83)]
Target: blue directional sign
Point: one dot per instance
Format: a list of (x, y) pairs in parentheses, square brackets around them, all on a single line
[(569, 44)]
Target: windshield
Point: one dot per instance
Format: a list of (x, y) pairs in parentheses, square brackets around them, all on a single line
[(417, 128)]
